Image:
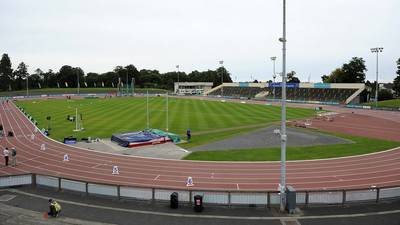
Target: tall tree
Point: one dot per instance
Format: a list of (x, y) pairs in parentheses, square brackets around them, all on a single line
[(5, 72), (396, 82), (352, 72), (221, 71), (20, 76), (50, 79), (70, 75), (291, 78), (335, 77)]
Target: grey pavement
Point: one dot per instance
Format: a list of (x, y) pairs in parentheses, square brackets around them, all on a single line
[(163, 151), (265, 137), (28, 206)]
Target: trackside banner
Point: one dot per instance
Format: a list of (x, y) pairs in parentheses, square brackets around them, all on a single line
[(288, 85)]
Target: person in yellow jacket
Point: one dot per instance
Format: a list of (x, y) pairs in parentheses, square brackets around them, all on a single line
[(55, 208)]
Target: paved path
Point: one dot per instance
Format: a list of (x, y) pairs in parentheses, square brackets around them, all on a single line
[(28, 205)]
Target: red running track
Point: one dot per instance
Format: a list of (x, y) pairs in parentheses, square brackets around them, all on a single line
[(380, 169)]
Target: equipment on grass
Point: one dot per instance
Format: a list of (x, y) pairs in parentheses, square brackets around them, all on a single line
[(146, 137)]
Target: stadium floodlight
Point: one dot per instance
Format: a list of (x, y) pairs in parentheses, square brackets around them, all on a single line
[(27, 85), (222, 78), (283, 122), (377, 51), (273, 58), (177, 71), (77, 79)]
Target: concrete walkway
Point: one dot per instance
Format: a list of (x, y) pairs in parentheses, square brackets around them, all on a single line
[(27, 206)]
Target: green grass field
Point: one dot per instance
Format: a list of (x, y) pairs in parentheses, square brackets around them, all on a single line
[(360, 146), (208, 120), (74, 91), (394, 103)]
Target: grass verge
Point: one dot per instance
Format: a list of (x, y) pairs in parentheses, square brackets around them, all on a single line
[(394, 103), (361, 145)]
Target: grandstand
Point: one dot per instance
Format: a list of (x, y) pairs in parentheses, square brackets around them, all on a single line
[(192, 88), (329, 93)]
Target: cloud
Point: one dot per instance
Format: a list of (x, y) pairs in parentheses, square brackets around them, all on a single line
[(98, 34)]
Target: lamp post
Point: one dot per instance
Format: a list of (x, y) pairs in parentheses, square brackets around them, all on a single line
[(77, 78), (127, 82), (177, 71), (222, 78), (377, 51), (27, 85), (283, 122), (273, 58)]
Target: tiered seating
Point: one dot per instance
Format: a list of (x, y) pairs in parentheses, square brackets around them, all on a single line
[(298, 94), (314, 94), (238, 92)]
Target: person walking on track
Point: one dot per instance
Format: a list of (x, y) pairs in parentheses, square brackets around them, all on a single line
[(14, 157), (5, 154)]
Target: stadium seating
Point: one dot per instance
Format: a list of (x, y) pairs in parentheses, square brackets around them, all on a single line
[(299, 92)]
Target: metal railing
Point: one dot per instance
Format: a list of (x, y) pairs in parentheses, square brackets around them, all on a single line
[(227, 198)]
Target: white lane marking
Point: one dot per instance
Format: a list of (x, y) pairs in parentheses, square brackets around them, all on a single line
[(99, 164), (237, 186), (31, 159), (208, 216), (157, 177)]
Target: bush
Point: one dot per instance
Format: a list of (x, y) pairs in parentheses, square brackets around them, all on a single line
[(385, 95)]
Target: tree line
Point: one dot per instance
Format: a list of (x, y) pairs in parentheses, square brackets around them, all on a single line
[(351, 72), (68, 76), (354, 72)]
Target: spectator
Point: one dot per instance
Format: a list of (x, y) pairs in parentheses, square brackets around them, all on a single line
[(5, 154), (14, 157), (55, 208), (188, 135)]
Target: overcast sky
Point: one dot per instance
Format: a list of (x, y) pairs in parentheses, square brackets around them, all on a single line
[(98, 35)]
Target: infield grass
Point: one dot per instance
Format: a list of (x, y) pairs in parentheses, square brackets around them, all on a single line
[(208, 120)]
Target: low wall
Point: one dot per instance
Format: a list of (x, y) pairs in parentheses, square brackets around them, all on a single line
[(228, 198)]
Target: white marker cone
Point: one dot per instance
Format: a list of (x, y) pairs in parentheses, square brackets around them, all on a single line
[(43, 147), (115, 170), (66, 158), (189, 182)]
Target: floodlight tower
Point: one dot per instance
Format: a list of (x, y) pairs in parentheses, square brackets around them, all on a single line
[(177, 71), (222, 78), (273, 58), (27, 85), (77, 79), (377, 51), (283, 122)]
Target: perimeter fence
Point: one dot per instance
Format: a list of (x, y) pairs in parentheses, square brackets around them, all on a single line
[(219, 197)]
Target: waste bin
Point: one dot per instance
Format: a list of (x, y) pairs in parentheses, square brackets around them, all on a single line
[(290, 199), (174, 200), (198, 203)]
